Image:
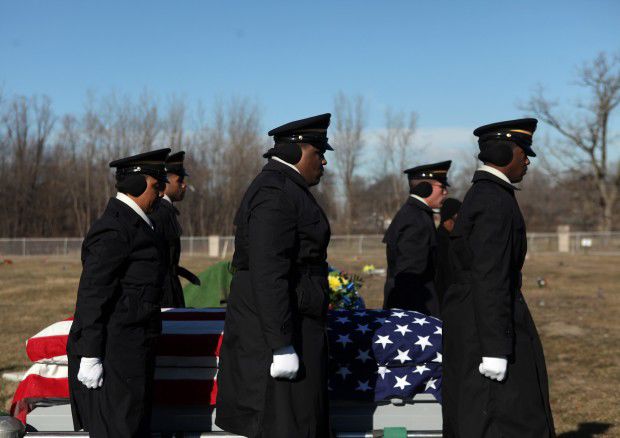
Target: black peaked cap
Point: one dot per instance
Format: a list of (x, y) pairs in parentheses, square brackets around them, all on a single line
[(174, 164), (436, 171), (312, 130), (519, 131), (151, 163)]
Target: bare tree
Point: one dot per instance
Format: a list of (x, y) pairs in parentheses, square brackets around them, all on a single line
[(349, 114), (147, 121), (175, 124), (586, 137), (397, 149)]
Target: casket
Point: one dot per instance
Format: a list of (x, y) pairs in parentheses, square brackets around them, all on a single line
[(385, 374)]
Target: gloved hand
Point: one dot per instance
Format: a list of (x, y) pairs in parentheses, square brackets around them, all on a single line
[(91, 372), (494, 368), (285, 363)]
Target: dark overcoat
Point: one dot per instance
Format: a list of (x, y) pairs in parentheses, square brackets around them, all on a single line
[(485, 315), (411, 241), (443, 269), (117, 318), (165, 216), (278, 297)]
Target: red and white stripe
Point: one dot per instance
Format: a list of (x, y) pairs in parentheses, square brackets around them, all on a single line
[(187, 359)]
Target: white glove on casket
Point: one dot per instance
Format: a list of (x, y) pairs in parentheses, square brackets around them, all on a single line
[(285, 363), (91, 372), (494, 368)]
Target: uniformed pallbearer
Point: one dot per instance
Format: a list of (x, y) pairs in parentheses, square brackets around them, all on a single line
[(495, 379), (443, 269), (165, 216), (117, 315), (272, 380), (411, 241)]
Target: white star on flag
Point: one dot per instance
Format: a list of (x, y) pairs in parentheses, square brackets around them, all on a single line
[(344, 340), (363, 355), (360, 313), (362, 328), (381, 320), (421, 321), (342, 319), (382, 371), (403, 329), (402, 356), (438, 358), (420, 369), (399, 314), (438, 331), (363, 386), (430, 384), (384, 340), (422, 342), (401, 382), (344, 372)]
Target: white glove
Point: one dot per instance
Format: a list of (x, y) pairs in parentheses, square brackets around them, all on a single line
[(91, 372), (285, 363), (493, 367)]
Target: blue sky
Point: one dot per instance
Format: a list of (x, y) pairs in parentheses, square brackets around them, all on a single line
[(457, 64)]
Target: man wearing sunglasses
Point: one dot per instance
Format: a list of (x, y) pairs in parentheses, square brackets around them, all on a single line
[(165, 216), (117, 320), (411, 241)]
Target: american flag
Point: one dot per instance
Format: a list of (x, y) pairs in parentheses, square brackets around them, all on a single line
[(384, 354), (374, 355)]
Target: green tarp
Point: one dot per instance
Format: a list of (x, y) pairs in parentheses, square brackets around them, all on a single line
[(214, 287)]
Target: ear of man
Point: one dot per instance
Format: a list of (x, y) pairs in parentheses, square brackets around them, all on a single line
[(497, 152), (133, 185), (423, 189), (289, 152)]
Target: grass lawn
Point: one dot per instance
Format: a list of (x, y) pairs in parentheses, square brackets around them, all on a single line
[(577, 315)]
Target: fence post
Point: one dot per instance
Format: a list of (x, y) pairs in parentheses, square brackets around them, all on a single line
[(360, 244), (214, 246), (66, 246), (24, 246), (225, 249), (563, 238), (191, 245)]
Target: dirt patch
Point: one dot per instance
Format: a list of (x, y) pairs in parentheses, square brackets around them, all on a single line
[(560, 328)]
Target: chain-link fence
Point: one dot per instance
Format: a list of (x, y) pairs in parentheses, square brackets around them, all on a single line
[(598, 243)]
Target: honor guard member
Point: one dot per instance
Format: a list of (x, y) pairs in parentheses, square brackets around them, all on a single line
[(165, 216), (411, 241), (272, 380), (111, 345), (494, 374), (443, 271)]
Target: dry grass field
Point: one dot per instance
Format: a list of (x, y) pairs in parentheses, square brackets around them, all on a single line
[(577, 315)]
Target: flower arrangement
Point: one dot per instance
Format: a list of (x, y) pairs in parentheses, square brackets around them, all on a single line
[(343, 290)]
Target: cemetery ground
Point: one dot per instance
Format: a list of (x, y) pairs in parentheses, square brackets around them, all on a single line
[(577, 313)]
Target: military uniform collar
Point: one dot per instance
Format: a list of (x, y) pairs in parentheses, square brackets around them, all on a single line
[(288, 171), (484, 174), (280, 160), (131, 204), (418, 202), (166, 202)]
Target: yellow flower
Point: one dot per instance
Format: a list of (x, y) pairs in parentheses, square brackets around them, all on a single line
[(334, 282)]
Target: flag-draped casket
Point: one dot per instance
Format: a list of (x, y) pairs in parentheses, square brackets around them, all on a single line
[(374, 355)]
